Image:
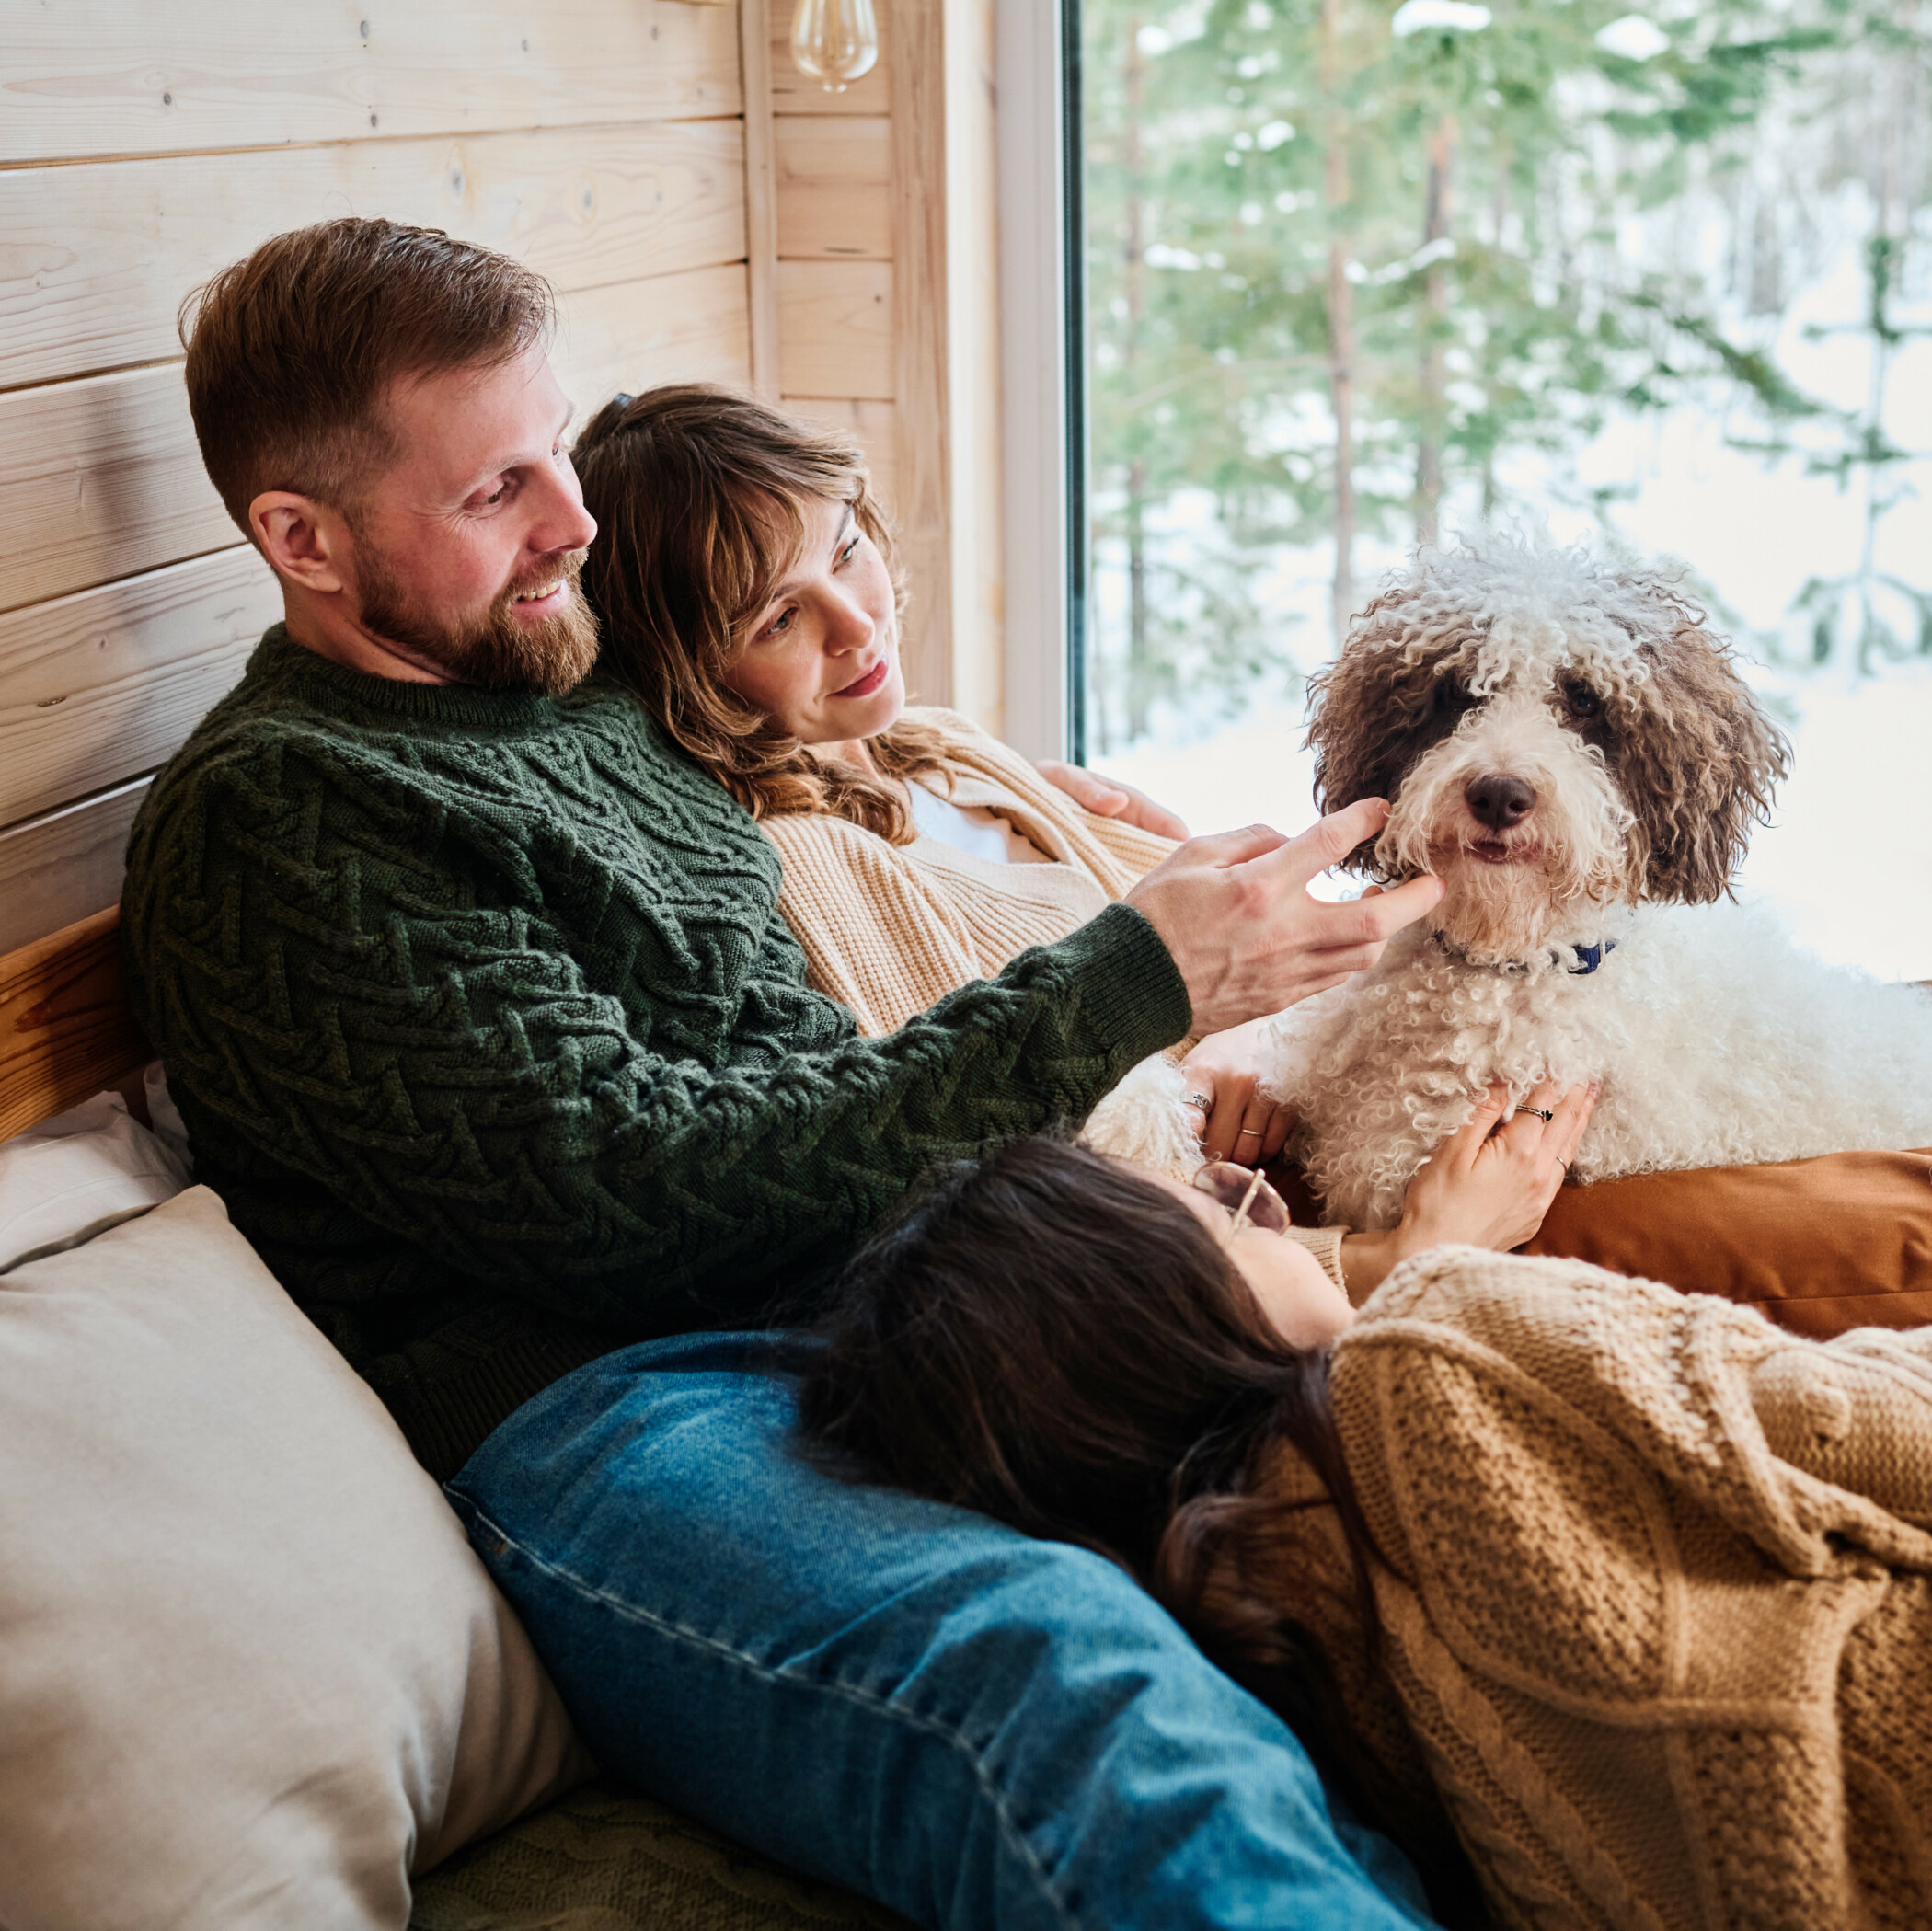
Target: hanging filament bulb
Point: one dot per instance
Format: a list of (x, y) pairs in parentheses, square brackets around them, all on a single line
[(835, 42)]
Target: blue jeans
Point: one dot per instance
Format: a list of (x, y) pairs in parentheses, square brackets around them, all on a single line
[(978, 1730)]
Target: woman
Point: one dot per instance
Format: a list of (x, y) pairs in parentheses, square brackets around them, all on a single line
[(745, 589), (1638, 1586)]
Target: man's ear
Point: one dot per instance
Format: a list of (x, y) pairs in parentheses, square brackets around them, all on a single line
[(304, 541)]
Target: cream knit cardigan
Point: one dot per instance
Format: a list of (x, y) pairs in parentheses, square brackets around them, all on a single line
[(889, 929), (1657, 1613)]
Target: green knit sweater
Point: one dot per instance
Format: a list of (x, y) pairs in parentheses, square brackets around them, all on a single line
[(485, 1025)]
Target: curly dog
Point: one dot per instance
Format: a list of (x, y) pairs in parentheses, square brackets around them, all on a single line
[(1569, 747)]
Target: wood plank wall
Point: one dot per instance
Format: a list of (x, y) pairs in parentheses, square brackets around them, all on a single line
[(831, 168), (145, 143), (887, 297)]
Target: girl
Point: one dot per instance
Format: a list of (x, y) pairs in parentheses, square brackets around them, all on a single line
[(1632, 1586)]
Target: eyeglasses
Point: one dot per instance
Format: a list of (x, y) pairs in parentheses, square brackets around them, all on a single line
[(1249, 1199)]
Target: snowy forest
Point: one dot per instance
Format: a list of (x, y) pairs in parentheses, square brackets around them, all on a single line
[(1362, 275)]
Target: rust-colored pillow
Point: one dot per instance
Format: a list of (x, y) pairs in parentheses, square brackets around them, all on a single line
[(1819, 1245)]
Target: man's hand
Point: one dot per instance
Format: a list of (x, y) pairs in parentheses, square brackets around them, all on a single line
[(1233, 911), (1108, 798)]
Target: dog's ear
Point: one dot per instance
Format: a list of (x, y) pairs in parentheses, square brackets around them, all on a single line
[(1698, 763), (1371, 714)]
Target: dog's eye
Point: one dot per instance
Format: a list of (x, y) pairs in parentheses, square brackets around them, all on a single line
[(1583, 702), (1450, 695)]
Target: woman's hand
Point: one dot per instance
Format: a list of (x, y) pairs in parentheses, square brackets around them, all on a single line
[(1109, 798), (1239, 1121), (1487, 1185)]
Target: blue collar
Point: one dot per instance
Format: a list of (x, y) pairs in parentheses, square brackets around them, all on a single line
[(1588, 957)]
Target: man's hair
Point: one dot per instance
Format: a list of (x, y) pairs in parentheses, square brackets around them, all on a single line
[(292, 351)]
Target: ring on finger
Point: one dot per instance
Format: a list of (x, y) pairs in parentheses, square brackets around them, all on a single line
[(1205, 1101), (1542, 1113), (1247, 1130)]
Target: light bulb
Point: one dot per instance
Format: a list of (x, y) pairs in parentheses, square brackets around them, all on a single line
[(834, 41)]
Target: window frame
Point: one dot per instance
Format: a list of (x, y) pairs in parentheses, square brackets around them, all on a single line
[(1042, 371)]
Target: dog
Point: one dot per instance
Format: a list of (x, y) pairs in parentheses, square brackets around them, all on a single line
[(1569, 747)]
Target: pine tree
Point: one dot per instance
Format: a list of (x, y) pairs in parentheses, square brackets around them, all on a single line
[(1340, 270)]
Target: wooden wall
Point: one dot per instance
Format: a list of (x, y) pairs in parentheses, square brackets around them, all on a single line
[(831, 163), (145, 143), (885, 277)]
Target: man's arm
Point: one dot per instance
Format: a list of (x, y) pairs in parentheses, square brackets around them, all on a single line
[(688, 1122), (452, 1075)]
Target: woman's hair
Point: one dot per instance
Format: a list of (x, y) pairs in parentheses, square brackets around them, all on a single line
[(1051, 1340), (701, 496)]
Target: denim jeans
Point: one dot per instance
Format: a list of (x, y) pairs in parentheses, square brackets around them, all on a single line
[(985, 1732)]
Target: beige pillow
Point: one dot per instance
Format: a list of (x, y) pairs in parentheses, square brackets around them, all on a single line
[(78, 1174), (251, 1673)]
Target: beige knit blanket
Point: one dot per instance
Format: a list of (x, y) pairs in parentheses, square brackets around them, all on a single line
[(1657, 1611)]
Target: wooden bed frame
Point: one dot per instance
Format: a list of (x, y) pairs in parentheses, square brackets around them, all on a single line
[(65, 1031)]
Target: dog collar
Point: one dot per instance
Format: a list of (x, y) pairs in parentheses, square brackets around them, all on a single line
[(1588, 957)]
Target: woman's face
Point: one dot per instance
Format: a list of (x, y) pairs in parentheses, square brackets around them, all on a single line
[(1308, 1309), (822, 660)]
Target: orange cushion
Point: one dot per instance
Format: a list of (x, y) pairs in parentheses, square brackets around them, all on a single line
[(1819, 1245)]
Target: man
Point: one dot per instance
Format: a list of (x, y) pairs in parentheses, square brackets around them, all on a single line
[(475, 1000)]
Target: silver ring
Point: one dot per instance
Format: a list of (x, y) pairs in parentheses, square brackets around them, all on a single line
[(1541, 1113), (1562, 1163), (1205, 1101), (1254, 1130)]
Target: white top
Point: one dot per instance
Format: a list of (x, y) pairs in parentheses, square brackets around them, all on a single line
[(975, 830)]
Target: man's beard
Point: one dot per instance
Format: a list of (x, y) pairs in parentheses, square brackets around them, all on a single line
[(496, 651)]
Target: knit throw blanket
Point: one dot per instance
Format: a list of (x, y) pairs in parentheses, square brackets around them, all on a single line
[(1656, 1608)]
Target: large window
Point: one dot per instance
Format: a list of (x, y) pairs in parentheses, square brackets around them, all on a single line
[(1361, 275)]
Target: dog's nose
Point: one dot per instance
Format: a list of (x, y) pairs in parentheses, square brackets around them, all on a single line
[(1499, 802)]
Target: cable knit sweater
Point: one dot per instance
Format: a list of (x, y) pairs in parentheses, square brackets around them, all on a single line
[(1656, 1608), (486, 1025)]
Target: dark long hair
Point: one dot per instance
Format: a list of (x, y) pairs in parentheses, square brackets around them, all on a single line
[(1050, 1338), (1053, 1340)]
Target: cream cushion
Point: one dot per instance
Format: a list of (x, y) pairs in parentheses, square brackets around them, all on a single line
[(79, 1173), (251, 1673)]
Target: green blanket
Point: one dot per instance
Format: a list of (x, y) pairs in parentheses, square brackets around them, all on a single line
[(603, 1859)]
